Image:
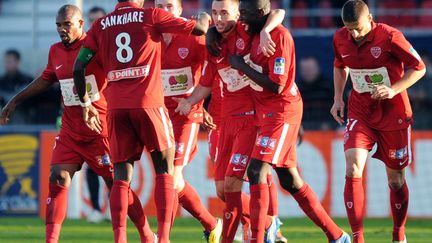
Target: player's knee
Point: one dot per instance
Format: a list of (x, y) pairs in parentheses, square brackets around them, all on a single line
[(396, 183), (220, 193), (61, 177)]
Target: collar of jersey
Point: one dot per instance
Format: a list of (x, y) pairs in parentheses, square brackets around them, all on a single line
[(126, 4)]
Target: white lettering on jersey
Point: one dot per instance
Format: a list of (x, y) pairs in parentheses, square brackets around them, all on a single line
[(131, 17)]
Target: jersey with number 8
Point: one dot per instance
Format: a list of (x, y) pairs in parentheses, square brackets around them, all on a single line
[(128, 41)]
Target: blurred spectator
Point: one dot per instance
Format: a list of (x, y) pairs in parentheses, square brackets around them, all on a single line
[(13, 81), (421, 96), (317, 94), (94, 14)]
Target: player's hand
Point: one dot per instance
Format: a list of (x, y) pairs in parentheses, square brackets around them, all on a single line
[(212, 42), (337, 111), (267, 45), (6, 112), (208, 121), (382, 92), (91, 118), (237, 62), (300, 135), (184, 106)]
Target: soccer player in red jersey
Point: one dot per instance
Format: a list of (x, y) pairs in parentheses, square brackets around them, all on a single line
[(379, 112), (237, 126), (75, 143), (129, 43), (279, 112), (182, 60)]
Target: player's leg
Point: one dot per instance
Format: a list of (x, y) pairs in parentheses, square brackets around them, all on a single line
[(273, 209), (354, 192), (257, 173), (92, 181), (359, 140), (399, 197), (60, 179)]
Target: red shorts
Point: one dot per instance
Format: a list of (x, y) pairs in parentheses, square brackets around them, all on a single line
[(130, 130), (234, 147), (213, 139), (94, 152), (276, 144), (393, 147), (186, 136)]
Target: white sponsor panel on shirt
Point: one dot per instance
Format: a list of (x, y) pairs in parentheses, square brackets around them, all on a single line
[(69, 92), (127, 73), (177, 81), (364, 80), (259, 69)]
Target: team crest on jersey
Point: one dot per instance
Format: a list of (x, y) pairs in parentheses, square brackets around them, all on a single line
[(240, 44), (375, 51), (183, 52)]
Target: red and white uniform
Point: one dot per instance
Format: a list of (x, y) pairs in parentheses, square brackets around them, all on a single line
[(215, 110), (76, 143), (380, 59), (237, 126), (182, 64), (279, 116), (129, 43)]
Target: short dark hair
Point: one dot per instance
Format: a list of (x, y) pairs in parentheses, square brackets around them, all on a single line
[(13, 52), (352, 10), (96, 9)]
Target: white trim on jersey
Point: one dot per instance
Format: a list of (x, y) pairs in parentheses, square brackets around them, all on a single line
[(167, 129), (409, 145), (352, 125), (189, 143), (280, 144)]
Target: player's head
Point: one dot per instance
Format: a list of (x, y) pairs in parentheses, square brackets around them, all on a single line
[(357, 19), (225, 14), (172, 6), (254, 13), (11, 60), (139, 2), (69, 23), (95, 13)]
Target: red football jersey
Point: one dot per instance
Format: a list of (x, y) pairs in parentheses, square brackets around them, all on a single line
[(215, 104), (286, 107), (60, 69), (129, 43), (182, 61), (381, 59), (236, 91)]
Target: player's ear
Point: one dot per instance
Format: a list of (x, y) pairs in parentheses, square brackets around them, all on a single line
[(370, 17), (81, 23)]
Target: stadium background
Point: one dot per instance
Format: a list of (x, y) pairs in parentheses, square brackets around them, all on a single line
[(29, 26)]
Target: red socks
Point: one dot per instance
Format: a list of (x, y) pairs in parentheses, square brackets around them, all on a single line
[(164, 199), (190, 200), (273, 204), (258, 211), (354, 204), (231, 219), (136, 214), (399, 206), (312, 207), (55, 212), (119, 208)]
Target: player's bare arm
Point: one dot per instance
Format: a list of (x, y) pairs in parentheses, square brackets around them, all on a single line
[(90, 114), (238, 62), (340, 76), (267, 45), (411, 76), (36, 87), (203, 21), (185, 105)]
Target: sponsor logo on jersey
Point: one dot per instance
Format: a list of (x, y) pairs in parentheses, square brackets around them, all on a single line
[(134, 72), (375, 51), (279, 66), (240, 44), (183, 52)]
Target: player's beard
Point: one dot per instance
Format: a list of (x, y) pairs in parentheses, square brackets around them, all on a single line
[(229, 26)]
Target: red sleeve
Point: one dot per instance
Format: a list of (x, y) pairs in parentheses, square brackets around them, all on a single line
[(165, 22), (338, 60), (91, 41), (405, 52), (280, 63), (209, 73), (48, 73), (200, 50)]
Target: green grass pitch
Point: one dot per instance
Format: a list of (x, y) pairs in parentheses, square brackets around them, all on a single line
[(297, 230)]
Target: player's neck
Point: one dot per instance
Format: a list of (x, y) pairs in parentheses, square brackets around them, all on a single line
[(167, 38)]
